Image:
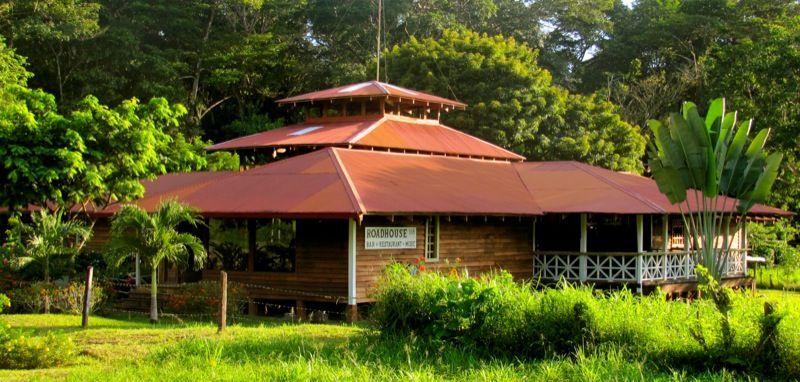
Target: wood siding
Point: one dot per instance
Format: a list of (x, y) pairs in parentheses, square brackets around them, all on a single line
[(480, 244), (321, 267), (101, 234)]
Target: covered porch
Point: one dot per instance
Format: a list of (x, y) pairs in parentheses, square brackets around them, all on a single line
[(640, 251)]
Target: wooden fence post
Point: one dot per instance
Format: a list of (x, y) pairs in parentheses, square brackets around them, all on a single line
[(87, 297), (223, 301)]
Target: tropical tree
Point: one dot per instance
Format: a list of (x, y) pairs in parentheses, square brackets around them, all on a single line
[(48, 236), (513, 102), (703, 166), (155, 238), (705, 160)]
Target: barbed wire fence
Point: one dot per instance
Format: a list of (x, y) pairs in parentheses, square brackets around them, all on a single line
[(122, 290)]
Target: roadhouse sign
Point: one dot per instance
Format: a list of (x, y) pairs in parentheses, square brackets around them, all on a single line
[(390, 237)]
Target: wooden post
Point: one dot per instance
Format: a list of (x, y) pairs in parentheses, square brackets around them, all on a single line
[(639, 250), (302, 314), (583, 259), (252, 307), (223, 301), (87, 297)]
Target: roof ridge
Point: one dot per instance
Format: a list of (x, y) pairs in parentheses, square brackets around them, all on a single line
[(352, 192), (525, 185), (361, 134), (381, 87), (590, 170)]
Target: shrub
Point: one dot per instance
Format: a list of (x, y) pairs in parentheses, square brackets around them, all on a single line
[(498, 316), (203, 298), (493, 312), (20, 352), (5, 302), (65, 299)]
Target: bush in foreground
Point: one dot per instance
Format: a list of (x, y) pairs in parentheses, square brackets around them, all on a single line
[(20, 352), (501, 317)]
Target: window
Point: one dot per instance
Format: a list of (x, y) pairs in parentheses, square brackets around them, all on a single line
[(275, 245), (228, 244), (432, 238)]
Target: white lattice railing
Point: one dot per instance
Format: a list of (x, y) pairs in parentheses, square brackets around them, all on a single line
[(627, 267)]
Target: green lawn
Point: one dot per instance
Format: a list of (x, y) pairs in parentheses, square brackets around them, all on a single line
[(124, 348)]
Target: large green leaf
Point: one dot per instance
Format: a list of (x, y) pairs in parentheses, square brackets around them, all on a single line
[(669, 181), (693, 153)]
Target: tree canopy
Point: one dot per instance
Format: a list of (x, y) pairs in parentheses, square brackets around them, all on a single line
[(576, 76), (513, 102)]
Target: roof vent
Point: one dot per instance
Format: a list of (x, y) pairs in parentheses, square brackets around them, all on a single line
[(305, 131)]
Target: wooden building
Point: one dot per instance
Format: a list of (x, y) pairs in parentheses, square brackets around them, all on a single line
[(371, 176)]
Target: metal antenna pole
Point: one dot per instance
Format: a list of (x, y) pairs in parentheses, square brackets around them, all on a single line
[(378, 64)]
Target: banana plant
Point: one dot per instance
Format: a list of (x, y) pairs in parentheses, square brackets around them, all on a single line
[(713, 171)]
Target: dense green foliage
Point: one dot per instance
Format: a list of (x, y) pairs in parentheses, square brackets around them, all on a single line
[(47, 236), (155, 238), (513, 102), (498, 316), (773, 241)]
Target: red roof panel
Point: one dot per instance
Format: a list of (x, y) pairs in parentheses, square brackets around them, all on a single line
[(393, 183), (371, 89), (387, 132), (303, 134), (573, 187)]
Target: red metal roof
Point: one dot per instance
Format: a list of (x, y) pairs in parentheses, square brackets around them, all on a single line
[(393, 183), (372, 89), (383, 132), (573, 187), (335, 182)]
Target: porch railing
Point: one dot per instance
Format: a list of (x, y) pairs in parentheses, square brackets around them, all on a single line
[(625, 267)]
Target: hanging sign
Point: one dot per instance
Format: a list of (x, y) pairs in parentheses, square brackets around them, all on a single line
[(390, 237)]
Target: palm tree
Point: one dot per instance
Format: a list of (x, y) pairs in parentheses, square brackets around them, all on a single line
[(47, 236), (155, 238)]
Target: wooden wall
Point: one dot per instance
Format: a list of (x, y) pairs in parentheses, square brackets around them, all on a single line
[(101, 233), (480, 244), (321, 266)]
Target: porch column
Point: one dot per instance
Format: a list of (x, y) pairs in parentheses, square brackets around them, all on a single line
[(665, 245), (639, 250), (665, 231), (743, 243), (639, 233), (352, 307), (583, 259)]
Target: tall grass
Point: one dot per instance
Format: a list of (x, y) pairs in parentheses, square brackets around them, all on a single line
[(778, 278), (501, 317)]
